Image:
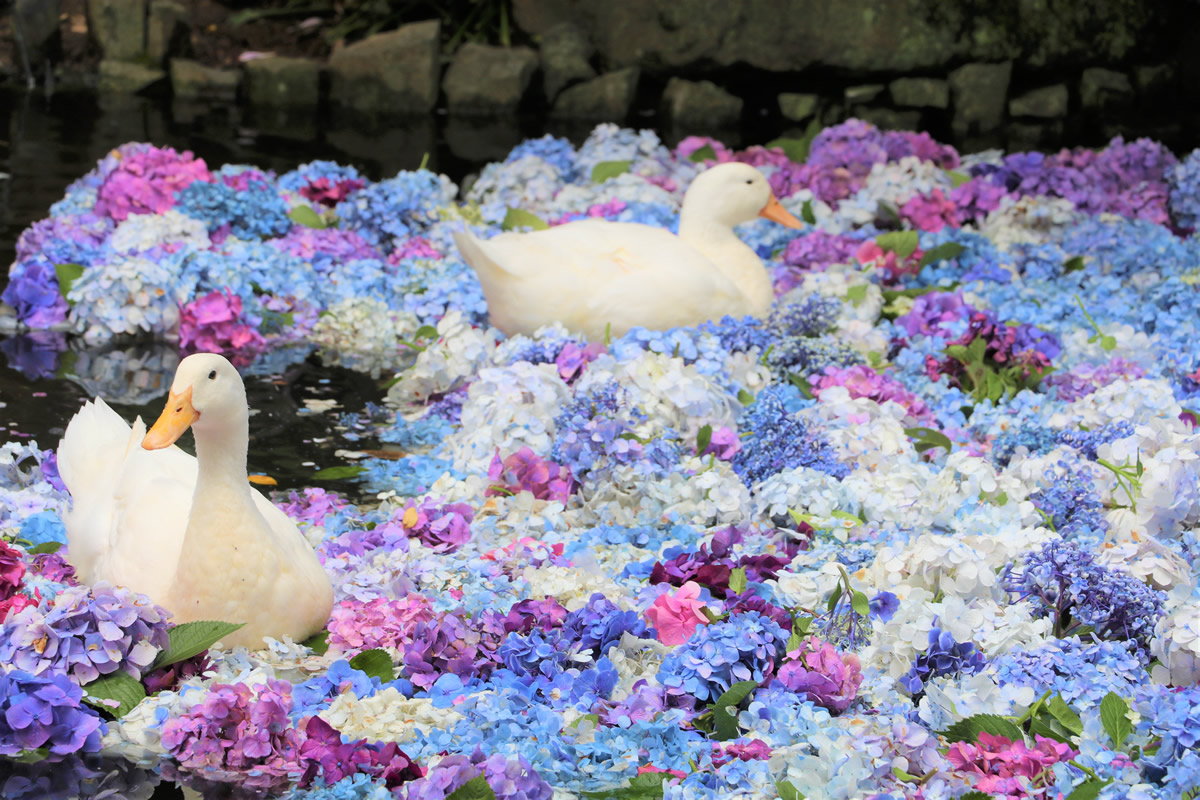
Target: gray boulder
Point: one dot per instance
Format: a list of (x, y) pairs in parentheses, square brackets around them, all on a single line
[(486, 80), (119, 27), (607, 98), (39, 25), (394, 72), (125, 77), (889, 119), (798, 107), (699, 104), (565, 51), (191, 79), (1101, 88), (1049, 102), (281, 82), (920, 92), (862, 94), (166, 30), (980, 92)]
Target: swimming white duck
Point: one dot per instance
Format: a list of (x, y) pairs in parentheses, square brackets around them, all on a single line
[(595, 276), (188, 531)]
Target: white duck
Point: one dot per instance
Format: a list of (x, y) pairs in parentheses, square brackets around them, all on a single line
[(595, 275), (189, 532)]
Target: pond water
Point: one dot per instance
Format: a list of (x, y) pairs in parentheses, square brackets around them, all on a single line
[(46, 143)]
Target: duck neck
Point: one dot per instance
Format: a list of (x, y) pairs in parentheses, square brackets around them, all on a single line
[(221, 462), (716, 240)]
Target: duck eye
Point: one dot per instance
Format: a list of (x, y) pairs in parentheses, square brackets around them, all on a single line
[(749, 180), (212, 376)]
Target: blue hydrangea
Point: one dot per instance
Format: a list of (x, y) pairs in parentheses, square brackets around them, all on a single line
[(45, 712), (311, 696), (305, 174), (554, 150), (255, 212), (742, 648), (396, 209), (1083, 672), (43, 527), (944, 656), (1071, 503), (1173, 715), (778, 440), (599, 625), (1185, 192)]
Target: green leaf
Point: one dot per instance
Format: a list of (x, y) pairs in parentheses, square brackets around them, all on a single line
[(44, 547), (860, 604), (304, 215), (975, 795), (1113, 715), (744, 397), (344, 472), (905, 776), (801, 383), (968, 730), (902, 243), (32, 756), (67, 274), (793, 643), (117, 693), (1000, 500), (705, 153), (927, 439), (475, 789), (647, 786), (834, 597), (856, 294), (376, 663), (1059, 709), (1108, 343), (519, 218), (806, 213), (193, 638), (1073, 264), (943, 252), (609, 169), (957, 179), (788, 792), (797, 150), (737, 580), (426, 332), (703, 438), (1088, 790), (726, 723), (318, 643)]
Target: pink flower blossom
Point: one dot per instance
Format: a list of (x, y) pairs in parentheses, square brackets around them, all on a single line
[(724, 443), (146, 180), (12, 570), (693, 143), (416, 247), (313, 507), (210, 324), (323, 191), (931, 212), (355, 625), (572, 359), (863, 381), (870, 254), (1006, 768), (525, 471), (818, 671), (676, 617)]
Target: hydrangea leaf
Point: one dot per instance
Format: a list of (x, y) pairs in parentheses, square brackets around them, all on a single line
[(856, 294), (902, 243), (976, 795), (318, 643), (1113, 715), (1088, 790), (117, 693), (806, 213), (647, 786), (927, 439), (860, 604), (968, 730), (1073, 264), (67, 274), (786, 791), (957, 179), (375, 663), (45, 547), (475, 789), (304, 215), (943, 252), (702, 154), (344, 472), (1063, 713), (609, 169), (744, 397), (32, 756), (703, 438), (726, 723), (193, 638), (520, 218), (798, 150), (737, 580)]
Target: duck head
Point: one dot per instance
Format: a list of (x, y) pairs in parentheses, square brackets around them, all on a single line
[(733, 193), (207, 393)]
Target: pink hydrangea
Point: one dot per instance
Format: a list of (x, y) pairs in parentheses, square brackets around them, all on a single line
[(572, 359), (444, 528), (355, 625), (825, 676), (724, 443), (313, 507), (12, 570), (675, 617), (892, 268), (863, 381), (533, 552), (525, 471), (238, 733), (146, 179), (416, 247), (1007, 768), (752, 750), (329, 193), (930, 212), (693, 143), (212, 324)]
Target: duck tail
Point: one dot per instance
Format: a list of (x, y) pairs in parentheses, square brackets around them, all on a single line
[(95, 439)]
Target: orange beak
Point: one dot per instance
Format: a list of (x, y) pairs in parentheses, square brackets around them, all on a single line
[(175, 419), (777, 213)]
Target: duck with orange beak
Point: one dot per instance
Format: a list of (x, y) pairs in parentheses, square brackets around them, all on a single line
[(189, 532), (598, 277)]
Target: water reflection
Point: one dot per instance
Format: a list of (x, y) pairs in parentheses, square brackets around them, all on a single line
[(83, 777)]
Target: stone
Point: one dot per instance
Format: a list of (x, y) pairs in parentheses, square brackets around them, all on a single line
[(565, 50), (166, 30), (482, 139), (1154, 79), (699, 104), (1101, 88), (855, 36), (979, 92), (920, 92), (1049, 102), (389, 73), (39, 23), (607, 98), (119, 27), (282, 82), (126, 77), (1024, 136), (191, 79), (798, 107), (863, 94), (484, 79), (889, 119)]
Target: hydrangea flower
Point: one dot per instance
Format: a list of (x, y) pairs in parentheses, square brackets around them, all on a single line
[(817, 671), (676, 616), (742, 648), (47, 712)]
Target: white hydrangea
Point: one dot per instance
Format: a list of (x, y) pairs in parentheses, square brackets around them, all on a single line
[(572, 586), (1148, 561), (897, 182), (896, 643), (861, 431), (458, 352), (127, 295), (387, 716), (364, 334), (951, 698), (141, 232), (805, 490), (938, 564), (1031, 219), (1138, 402), (1176, 645)]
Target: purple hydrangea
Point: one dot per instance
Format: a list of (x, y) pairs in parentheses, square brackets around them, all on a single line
[(86, 633), (944, 656), (47, 712), (510, 778), (324, 756), (600, 624), (822, 674), (746, 647), (779, 440), (448, 643)]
